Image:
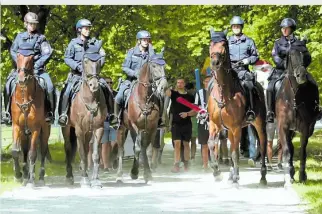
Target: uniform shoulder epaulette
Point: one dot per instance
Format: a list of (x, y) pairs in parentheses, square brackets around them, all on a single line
[(131, 49)]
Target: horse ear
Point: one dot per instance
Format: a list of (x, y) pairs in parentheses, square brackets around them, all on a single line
[(226, 31), (212, 32)]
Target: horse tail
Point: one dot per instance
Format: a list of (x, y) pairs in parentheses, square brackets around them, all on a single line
[(73, 142)]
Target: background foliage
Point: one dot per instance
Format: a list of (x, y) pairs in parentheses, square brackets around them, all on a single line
[(182, 30)]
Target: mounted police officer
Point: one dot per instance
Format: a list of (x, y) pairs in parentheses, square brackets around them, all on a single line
[(73, 58), (135, 59), (279, 53), (243, 52), (31, 41)]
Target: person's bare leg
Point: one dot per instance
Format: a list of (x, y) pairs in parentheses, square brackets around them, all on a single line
[(204, 152), (177, 156), (89, 156), (106, 150), (186, 154), (193, 148)]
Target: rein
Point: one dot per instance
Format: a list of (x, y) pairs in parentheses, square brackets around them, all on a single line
[(24, 106), (148, 106)]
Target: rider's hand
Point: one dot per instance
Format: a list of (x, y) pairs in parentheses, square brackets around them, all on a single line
[(246, 61), (80, 68)]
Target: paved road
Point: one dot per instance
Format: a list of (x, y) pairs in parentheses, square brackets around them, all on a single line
[(191, 192)]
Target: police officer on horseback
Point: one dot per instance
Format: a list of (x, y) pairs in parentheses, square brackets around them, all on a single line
[(73, 58), (33, 42), (135, 59), (280, 50), (243, 52)]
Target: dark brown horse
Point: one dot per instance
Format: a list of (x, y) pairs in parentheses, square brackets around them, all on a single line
[(28, 122), (86, 122), (295, 111), (142, 115), (226, 107)]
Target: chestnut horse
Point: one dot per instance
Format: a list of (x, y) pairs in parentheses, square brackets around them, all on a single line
[(86, 123), (295, 111), (226, 107), (142, 115), (28, 121)]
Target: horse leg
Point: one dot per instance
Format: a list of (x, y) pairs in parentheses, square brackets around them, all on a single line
[(283, 134), (234, 137), (32, 156), (44, 136), (68, 153), (213, 145), (260, 127), (291, 149), (98, 134), (135, 167), (83, 156), (145, 141), (155, 145), (121, 133), (304, 141), (25, 166), (15, 153)]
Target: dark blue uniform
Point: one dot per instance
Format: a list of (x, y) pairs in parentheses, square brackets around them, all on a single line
[(279, 54), (73, 58), (36, 44), (134, 61)]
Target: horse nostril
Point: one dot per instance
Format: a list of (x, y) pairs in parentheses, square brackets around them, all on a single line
[(90, 84)]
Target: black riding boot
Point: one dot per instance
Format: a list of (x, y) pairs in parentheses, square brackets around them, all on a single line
[(162, 115), (64, 105), (270, 114), (250, 114), (115, 122), (6, 117), (50, 117)]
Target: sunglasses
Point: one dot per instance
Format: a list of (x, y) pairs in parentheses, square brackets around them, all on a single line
[(109, 82)]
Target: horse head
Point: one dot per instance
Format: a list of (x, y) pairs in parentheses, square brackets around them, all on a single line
[(157, 73), (295, 66), (218, 50), (92, 65), (25, 66)]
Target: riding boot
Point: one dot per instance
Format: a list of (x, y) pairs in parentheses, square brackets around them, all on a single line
[(115, 122), (50, 117), (250, 114), (6, 117), (64, 105), (270, 114)]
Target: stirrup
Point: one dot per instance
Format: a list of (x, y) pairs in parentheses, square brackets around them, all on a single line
[(6, 118), (270, 117), (250, 113), (50, 117)]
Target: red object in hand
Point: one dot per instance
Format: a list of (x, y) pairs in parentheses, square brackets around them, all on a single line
[(185, 102)]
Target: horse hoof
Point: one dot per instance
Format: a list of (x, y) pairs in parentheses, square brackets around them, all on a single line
[(17, 180), (41, 183), (134, 176), (30, 185), (288, 185), (96, 184), (235, 185), (302, 177), (218, 178), (119, 180), (263, 182), (85, 182), (69, 181), (147, 178), (24, 182)]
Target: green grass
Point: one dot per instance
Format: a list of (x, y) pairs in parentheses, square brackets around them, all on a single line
[(312, 190), (56, 168)]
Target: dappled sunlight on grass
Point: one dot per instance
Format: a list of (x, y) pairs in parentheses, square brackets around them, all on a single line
[(311, 191)]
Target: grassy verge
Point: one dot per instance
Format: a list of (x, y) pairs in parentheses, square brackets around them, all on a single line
[(56, 168), (312, 190)]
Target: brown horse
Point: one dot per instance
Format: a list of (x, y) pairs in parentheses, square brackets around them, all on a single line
[(142, 115), (86, 123), (28, 122), (226, 107), (295, 111)]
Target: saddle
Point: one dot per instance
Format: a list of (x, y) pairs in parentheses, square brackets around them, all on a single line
[(128, 92)]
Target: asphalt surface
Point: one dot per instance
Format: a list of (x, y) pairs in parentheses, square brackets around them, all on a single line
[(186, 192)]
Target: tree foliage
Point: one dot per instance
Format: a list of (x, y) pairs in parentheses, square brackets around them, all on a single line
[(182, 30)]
